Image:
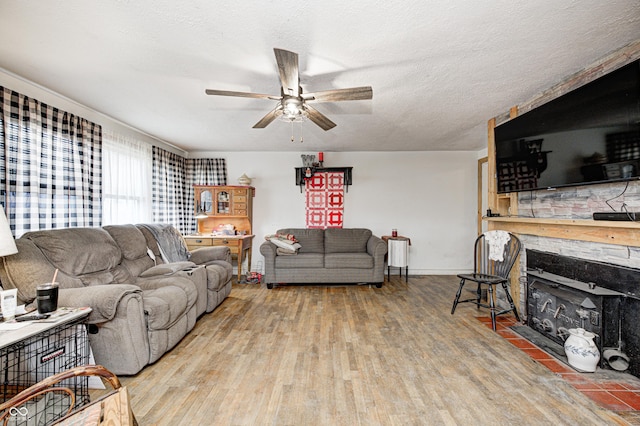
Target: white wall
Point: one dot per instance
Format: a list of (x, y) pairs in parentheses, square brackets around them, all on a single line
[(42, 94), (428, 196)]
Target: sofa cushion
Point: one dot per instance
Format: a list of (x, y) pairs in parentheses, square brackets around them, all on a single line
[(130, 239), (78, 251), (339, 240), (302, 260), (30, 268), (311, 240), (348, 260), (98, 278)]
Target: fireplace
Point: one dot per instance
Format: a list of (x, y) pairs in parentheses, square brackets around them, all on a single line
[(556, 304), (565, 292)]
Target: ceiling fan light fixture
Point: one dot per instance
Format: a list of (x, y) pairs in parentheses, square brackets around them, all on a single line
[(292, 110), (292, 107), (299, 118)]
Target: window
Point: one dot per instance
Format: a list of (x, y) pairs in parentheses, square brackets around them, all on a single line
[(126, 180)]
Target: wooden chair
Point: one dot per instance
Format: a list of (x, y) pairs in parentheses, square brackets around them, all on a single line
[(15, 409), (490, 272)]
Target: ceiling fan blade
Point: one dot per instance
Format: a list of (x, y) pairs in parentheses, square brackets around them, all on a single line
[(352, 94), (318, 118), (267, 119), (288, 69), (241, 94)]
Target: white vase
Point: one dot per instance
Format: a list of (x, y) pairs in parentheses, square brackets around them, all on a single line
[(582, 352), (244, 179)]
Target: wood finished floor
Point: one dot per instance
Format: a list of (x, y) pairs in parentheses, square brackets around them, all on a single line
[(347, 355)]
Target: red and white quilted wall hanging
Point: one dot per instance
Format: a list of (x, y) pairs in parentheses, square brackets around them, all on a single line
[(325, 200)]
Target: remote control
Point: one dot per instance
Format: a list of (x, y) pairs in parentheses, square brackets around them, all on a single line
[(32, 317)]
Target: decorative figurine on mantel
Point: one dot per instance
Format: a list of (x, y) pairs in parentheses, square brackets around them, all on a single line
[(308, 160)]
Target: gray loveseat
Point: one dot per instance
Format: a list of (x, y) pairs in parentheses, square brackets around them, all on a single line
[(141, 304), (334, 255)]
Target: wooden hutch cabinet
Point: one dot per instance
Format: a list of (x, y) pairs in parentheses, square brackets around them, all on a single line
[(223, 208)]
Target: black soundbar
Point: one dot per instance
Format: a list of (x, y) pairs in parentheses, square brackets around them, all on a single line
[(619, 216)]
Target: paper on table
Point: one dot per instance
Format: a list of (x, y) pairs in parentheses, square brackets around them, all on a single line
[(8, 326), (20, 310), (59, 313)]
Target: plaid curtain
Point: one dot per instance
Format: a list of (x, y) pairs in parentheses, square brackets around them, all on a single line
[(168, 183), (50, 166), (173, 180)]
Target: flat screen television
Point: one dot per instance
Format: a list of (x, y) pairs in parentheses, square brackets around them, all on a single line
[(586, 136)]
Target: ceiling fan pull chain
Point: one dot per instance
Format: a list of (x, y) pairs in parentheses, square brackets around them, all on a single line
[(293, 139)]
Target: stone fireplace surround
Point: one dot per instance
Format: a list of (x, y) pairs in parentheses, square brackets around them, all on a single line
[(585, 258)]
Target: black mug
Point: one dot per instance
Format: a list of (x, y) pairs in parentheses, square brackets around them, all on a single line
[(47, 298)]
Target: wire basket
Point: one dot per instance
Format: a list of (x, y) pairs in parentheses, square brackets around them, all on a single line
[(29, 361)]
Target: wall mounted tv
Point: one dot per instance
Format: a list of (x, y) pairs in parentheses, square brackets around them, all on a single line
[(586, 136)]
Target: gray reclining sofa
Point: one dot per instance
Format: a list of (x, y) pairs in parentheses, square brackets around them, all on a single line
[(142, 305)]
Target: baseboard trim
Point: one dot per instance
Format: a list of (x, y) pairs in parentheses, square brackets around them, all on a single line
[(394, 271)]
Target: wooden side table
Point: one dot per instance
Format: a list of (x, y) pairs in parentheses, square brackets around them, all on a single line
[(239, 245), (397, 254)]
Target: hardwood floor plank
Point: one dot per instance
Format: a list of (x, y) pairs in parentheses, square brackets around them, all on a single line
[(330, 355)]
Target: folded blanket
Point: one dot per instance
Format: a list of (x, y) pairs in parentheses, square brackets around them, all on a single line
[(286, 245), (283, 237), (170, 242), (284, 252)]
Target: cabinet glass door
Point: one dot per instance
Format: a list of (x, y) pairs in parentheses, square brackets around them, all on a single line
[(206, 202), (223, 202)]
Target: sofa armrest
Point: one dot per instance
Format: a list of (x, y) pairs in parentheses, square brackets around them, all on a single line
[(102, 299), (207, 254), (377, 248), (154, 283), (268, 250), (166, 269)]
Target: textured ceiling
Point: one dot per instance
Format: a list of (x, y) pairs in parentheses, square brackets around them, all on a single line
[(439, 68)]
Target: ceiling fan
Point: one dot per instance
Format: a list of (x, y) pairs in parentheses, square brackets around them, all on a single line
[(293, 104)]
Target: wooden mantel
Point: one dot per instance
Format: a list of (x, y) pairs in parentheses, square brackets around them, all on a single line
[(301, 178), (597, 231)]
